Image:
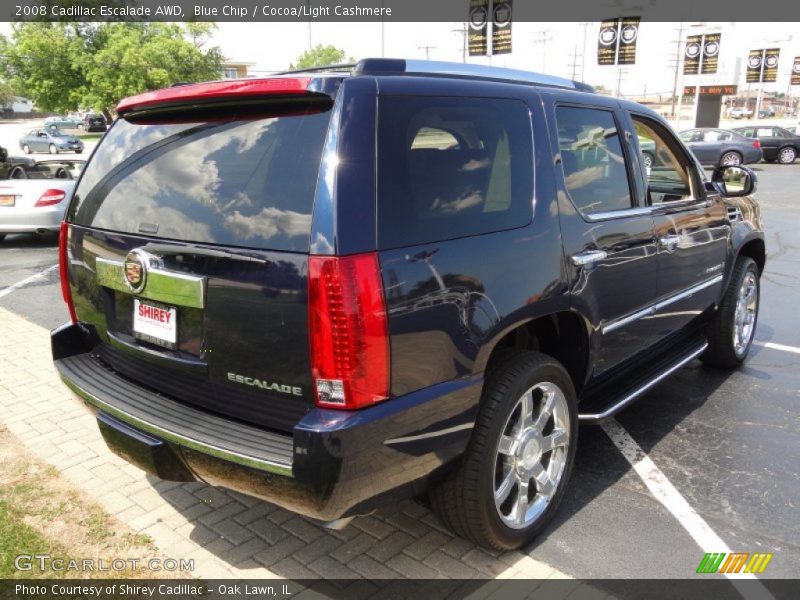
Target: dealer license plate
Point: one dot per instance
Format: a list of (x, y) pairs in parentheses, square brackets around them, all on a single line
[(155, 323)]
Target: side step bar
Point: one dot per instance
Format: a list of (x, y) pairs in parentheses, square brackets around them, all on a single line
[(617, 405)]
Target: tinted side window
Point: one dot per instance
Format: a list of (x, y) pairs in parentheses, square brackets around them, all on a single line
[(669, 179), (452, 167), (592, 159)]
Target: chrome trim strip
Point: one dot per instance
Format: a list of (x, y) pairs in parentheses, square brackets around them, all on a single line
[(615, 408), (651, 310), (430, 434), (170, 287), (641, 211), (688, 292), (176, 438)]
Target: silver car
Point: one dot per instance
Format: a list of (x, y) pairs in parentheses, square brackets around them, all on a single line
[(721, 147), (36, 203)]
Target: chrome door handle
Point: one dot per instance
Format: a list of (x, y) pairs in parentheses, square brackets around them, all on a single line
[(589, 257), (670, 241)]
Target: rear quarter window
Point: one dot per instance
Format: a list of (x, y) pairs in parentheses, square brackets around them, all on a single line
[(452, 167), (248, 183)]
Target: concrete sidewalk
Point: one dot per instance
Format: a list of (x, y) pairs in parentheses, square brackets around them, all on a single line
[(227, 534)]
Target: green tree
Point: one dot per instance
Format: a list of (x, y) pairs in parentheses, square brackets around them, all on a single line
[(320, 56), (65, 66)]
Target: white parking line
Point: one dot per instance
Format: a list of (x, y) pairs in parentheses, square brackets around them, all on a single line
[(26, 281), (670, 497), (782, 347)]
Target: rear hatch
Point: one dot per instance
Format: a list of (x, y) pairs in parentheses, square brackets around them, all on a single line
[(189, 240)]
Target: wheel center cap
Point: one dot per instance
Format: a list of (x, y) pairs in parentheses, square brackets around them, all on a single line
[(530, 453)]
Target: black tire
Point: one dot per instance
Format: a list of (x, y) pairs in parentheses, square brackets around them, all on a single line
[(734, 158), (787, 155), (722, 351), (464, 501)]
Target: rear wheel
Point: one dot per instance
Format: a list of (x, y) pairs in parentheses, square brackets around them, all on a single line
[(649, 160), (26, 149), (787, 155), (511, 480), (733, 327), (731, 158), (53, 149)]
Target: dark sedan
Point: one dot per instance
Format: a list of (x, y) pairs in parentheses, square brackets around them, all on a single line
[(50, 140), (776, 142), (721, 147)]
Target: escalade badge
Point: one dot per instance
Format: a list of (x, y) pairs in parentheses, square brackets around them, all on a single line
[(135, 271)]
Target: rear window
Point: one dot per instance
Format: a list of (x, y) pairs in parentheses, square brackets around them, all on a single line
[(246, 183), (452, 167)]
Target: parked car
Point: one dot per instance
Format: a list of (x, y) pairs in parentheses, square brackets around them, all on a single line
[(49, 140), (36, 202), (740, 112), (766, 113), (94, 122), (13, 167), (350, 313), (721, 147), (777, 143), (62, 122)]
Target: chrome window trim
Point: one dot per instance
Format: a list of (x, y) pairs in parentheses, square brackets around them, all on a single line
[(642, 211), (655, 307), (162, 285)]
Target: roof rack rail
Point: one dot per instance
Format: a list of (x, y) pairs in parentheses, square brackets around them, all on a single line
[(326, 68), (374, 66)]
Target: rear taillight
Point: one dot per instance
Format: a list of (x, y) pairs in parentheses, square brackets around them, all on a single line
[(50, 197), (348, 331), (63, 269), (756, 144)]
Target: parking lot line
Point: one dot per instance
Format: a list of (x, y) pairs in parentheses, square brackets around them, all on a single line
[(26, 281), (782, 347), (674, 502)]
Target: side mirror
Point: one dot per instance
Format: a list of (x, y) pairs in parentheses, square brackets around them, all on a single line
[(734, 181)]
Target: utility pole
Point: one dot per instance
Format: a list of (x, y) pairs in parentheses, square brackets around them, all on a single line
[(463, 31), (620, 73), (545, 38), (585, 26), (574, 63), (678, 51), (427, 51)]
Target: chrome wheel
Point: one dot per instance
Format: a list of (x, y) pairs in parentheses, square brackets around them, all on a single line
[(648, 161), (731, 158), (787, 156), (531, 455), (744, 320)]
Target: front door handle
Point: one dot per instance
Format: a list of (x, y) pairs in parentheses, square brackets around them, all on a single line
[(670, 242), (589, 257)]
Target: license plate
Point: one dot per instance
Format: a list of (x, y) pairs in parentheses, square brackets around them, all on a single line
[(155, 323), (7, 200)]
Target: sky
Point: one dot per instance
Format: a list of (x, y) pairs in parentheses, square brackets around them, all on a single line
[(544, 47), (273, 46)]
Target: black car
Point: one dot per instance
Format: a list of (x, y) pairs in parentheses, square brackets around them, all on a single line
[(777, 143), (94, 122), (13, 167), (334, 290)]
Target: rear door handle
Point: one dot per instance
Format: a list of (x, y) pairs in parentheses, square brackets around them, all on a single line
[(589, 257), (670, 242)]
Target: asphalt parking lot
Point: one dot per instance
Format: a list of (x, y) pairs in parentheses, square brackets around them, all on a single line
[(727, 442)]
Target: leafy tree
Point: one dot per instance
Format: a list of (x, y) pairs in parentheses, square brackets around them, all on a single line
[(320, 56), (63, 66)]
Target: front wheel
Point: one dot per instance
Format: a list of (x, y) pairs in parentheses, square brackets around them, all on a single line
[(731, 331), (512, 477), (53, 149), (787, 155), (26, 149), (731, 159)]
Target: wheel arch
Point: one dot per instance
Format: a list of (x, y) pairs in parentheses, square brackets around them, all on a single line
[(563, 335), (755, 248)]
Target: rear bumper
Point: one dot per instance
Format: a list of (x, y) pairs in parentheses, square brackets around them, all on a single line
[(334, 464), (24, 220)]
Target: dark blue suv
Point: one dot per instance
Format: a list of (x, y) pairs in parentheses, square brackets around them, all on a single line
[(332, 289)]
